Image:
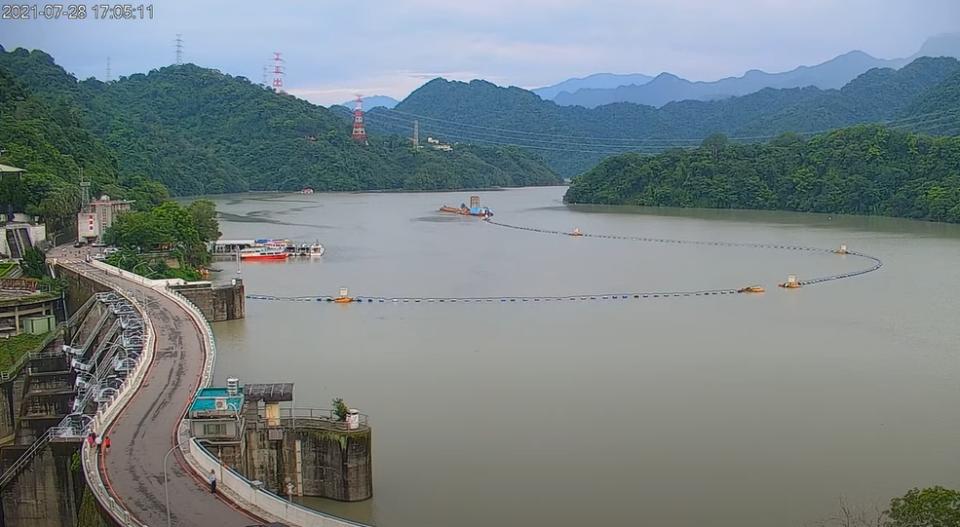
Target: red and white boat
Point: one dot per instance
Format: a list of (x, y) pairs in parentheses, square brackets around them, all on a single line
[(263, 253)]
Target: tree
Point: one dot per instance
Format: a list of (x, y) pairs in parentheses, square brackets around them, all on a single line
[(858, 170), (34, 263), (715, 143), (340, 409), (204, 214), (930, 507)]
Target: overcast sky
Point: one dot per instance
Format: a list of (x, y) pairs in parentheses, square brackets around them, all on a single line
[(335, 48)]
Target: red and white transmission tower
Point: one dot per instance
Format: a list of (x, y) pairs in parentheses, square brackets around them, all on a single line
[(277, 72), (359, 133)]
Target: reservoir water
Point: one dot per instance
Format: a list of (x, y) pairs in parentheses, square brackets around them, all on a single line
[(735, 410)]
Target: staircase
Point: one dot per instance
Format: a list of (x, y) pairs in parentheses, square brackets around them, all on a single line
[(12, 246), (18, 239), (24, 459)]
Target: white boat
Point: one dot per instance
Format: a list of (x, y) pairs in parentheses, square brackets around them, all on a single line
[(316, 249)]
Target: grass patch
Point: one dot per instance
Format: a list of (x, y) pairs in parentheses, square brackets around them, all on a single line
[(6, 268), (11, 349)]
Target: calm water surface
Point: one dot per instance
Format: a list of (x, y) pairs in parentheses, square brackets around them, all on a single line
[(744, 410)]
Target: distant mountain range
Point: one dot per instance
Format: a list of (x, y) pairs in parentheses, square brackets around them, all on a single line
[(923, 95), (373, 101), (595, 81), (597, 90)]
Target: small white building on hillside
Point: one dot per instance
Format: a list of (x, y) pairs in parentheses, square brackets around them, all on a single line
[(98, 216)]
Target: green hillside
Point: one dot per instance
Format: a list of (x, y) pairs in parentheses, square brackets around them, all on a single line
[(47, 137), (859, 170), (200, 131), (573, 139)]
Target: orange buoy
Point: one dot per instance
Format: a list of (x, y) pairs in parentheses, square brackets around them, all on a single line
[(791, 283), (344, 297)]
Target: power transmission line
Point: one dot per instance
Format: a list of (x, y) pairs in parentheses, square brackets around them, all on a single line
[(400, 125), (653, 141)]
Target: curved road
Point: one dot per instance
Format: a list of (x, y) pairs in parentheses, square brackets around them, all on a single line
[(144, 432)]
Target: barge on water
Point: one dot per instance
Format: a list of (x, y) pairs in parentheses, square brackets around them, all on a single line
[(473, 210)]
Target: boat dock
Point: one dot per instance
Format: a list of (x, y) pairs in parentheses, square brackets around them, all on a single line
[(228, 249)]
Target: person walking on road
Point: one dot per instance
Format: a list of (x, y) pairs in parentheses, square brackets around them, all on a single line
[(213, 482), (99, 442), (106, 443)]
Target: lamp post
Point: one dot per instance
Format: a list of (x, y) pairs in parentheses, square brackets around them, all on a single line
[(166, 491)]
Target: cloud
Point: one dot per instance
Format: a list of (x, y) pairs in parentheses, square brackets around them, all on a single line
[(397, 84), (334, 48)]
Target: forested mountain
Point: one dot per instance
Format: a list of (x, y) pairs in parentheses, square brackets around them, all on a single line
[(47, 137), (199, 131), (573, 139), (667, 87), (942, 103), (595, 81), (859, 170)]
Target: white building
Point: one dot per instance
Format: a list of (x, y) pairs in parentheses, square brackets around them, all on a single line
[(98, 216)]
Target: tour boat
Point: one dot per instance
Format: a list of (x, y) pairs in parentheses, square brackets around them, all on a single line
[(263, 253)]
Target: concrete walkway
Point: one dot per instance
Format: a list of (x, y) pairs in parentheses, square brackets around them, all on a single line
[(145, 430)]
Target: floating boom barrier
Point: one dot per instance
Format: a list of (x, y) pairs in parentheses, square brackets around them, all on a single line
[(344, 298)]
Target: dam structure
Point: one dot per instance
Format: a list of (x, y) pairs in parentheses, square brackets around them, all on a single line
[(129, 364)]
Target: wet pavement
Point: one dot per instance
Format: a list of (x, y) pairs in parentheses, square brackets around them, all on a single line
[(145, 430)]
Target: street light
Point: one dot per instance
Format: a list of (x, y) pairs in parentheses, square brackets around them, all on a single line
[(166, 492)]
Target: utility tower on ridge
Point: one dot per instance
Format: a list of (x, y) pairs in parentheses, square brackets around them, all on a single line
[(359, 133), (108, 69), (278, 72), (179, 49)]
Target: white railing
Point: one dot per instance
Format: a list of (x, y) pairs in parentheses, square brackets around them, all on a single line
[(210, 357), (109, 410), (134, 277), (241, 490), (244, 491)]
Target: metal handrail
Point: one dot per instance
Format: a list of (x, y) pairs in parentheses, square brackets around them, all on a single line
[(75, 317), (109, 410), (319, 414), (24, 458)]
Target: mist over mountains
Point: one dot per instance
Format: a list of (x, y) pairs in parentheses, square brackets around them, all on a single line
[(597, 90), (921, 96)]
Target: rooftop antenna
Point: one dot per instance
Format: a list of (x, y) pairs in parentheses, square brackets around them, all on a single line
[(179, 49)]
